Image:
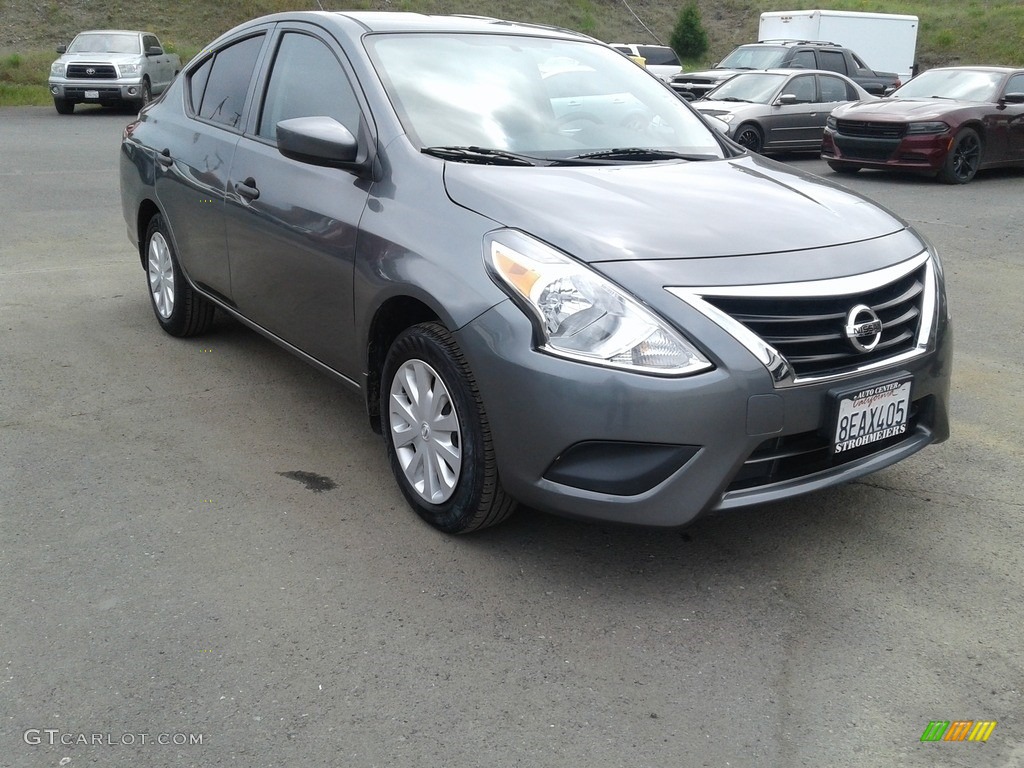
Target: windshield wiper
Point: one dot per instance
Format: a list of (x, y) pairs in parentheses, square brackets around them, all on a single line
[(638, 155), (480, 155), (733, 98)]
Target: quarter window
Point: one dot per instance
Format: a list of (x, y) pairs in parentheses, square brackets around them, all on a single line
[(307, 80), (223, 97)]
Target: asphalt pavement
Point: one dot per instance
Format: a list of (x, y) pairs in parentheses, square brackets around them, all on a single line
[(205, 561)]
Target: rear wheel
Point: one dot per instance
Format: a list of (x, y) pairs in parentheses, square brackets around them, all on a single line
[(437, 433), (63, 106), (750, 136), (964, 158), (840, 167), (178, 308)]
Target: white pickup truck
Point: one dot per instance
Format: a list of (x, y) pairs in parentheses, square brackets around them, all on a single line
[(110, 67)]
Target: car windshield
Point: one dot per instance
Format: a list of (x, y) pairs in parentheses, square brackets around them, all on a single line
[(754, 57), (105, 42), (533, 96), (965, 84), (755, 88)]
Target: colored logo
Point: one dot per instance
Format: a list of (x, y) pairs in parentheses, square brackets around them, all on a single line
[(958, 730)]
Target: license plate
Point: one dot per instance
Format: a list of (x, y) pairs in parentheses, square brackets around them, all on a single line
[(92, 94), (871, 414)]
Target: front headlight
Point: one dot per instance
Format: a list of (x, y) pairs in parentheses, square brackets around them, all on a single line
[(830, 122), (57, 69), (934, 127), (580, 315), (130, 69)]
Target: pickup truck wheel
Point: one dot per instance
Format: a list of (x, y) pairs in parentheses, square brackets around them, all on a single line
[(750, 136), (147, 94), (840, 167), (63, 106), (178, 308), (437, 433), (963, 159)]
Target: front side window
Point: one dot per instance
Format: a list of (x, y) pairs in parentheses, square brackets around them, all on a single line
[(803, 88), (226, 86), (804, 60), (1016, 84), (307, 80), (531, 95)]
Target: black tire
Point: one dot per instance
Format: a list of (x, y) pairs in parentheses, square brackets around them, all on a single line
[(147, 95), (446, 466), (178, 308), (63, 106), (841, 167), (750, 137), (964, 158)]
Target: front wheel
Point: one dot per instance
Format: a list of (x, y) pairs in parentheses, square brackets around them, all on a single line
[(437, 433), (178, 308), (964, 158), (750, 137), (63, 106)]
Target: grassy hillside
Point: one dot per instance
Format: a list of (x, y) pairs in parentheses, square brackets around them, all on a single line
[(952, 31)]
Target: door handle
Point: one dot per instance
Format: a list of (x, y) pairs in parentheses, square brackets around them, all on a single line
[(247, 189), (165, 159)]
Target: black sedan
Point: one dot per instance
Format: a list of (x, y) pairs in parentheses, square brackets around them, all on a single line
[(949, 122)]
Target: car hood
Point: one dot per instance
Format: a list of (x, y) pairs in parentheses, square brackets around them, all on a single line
[(674, 210), (712, 107), (899, 109), (113, 58), (708, 74)]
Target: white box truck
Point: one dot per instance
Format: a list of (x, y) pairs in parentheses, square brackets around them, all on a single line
[(885, 41)]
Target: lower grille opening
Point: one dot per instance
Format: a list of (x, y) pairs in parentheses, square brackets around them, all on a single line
[(794, 456)]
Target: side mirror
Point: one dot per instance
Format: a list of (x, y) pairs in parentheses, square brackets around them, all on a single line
[(154, 50), (786, 99), (318, 141), (62, 49), (1013, 98)]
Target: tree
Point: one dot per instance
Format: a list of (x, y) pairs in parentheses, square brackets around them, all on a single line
[(689, 40)]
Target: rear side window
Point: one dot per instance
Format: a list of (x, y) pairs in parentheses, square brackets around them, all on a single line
[(833, 61), (832, 89), (307, 80), (226, 83)]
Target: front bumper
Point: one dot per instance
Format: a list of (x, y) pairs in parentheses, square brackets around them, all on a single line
[(589, 442), (96, 91), (925, 153)]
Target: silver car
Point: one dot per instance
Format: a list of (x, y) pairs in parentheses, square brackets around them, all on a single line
[(780, 110), (630, 320)]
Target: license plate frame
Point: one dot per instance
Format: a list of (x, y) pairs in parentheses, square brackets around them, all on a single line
[(92, 94), (870, 414)]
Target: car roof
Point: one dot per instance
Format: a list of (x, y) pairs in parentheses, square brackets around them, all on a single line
[(113, 32), (403, 21), (967, 68)]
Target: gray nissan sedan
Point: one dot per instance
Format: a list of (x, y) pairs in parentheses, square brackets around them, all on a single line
[(594, 304)]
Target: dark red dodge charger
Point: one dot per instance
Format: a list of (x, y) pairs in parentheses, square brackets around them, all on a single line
[(950, 122)]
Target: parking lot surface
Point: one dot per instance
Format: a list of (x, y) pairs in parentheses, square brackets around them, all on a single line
[(205, 560)]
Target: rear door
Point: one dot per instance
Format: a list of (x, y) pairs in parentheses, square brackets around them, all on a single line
[(291, 227), (193, 159)]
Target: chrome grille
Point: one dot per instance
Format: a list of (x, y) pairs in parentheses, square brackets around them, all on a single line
[(809, 332), (92, 71)]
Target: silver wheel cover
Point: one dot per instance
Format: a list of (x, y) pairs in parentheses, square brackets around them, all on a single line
[(425, 431), (161, 275)]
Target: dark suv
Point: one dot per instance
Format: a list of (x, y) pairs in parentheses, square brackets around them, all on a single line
[(787, 54)]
